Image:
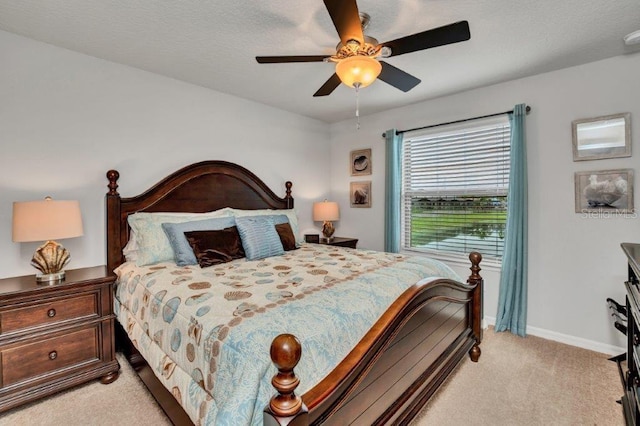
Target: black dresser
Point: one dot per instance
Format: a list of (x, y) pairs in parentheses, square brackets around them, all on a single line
[(631, 397)]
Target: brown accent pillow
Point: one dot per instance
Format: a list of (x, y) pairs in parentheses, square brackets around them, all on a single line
[(215, 247), (286, 236)]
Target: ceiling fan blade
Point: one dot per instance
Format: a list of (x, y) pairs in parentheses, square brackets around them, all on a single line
[(448, 34), (286, 59), (329, 86), (397, 78), (346, 19)]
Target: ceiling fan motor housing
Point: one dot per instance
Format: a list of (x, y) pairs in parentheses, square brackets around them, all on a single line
[(370, 47)]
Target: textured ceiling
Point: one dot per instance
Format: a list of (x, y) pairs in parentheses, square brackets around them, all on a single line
[(213, 43)]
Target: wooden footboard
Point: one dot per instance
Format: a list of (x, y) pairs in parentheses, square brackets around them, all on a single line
[(398, 365)]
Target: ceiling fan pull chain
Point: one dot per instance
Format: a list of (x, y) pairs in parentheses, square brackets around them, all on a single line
[(357, 86)]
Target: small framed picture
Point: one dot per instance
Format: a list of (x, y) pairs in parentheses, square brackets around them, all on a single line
[(360, 194), (604, 190), (360, 162)]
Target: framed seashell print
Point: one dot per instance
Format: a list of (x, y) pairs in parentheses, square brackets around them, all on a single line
[(604, 191), (360, 194), (360, 162)]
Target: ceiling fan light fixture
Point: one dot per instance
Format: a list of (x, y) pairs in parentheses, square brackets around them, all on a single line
[(358, 69)]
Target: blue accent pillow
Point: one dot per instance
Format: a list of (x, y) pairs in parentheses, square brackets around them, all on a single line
[(278, 219), (182, 251), (259, 237), (290, 213)]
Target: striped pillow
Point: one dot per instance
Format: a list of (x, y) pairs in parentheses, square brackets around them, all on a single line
[(259, 237)]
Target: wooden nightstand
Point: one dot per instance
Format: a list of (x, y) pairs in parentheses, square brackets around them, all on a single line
[(53, 337), (342, 242)]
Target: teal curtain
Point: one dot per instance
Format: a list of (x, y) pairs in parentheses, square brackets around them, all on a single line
[(393, 186), (512, 301)]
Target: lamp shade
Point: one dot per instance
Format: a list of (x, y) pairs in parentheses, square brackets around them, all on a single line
[(46, 220), (358, 69), (326, 211)]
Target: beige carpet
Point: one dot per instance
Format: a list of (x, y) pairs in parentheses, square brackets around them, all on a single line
[(518, 381), (528, 381), (123, 402)]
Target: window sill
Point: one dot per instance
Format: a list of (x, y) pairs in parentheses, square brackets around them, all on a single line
[(462, 260)]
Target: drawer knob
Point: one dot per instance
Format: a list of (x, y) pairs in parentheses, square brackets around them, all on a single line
[(51, 313), (53, 355)]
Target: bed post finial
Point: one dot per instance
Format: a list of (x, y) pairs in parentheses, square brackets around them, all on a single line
[(476, 306), (288, 185), (113, 177), (475, 259), (285, 407)]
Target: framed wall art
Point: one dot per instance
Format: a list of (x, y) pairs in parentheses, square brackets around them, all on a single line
[(360, 162), (604, 190), (596, 138), (360, 194)]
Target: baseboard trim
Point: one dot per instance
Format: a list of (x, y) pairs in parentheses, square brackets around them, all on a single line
[(567, 339)]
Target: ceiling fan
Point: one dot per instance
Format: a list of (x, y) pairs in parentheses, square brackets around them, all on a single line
[(358, 56)]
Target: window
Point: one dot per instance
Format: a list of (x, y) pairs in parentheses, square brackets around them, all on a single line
[(454, 188)]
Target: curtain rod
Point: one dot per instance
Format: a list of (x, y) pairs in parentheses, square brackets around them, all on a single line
[(399, 132)]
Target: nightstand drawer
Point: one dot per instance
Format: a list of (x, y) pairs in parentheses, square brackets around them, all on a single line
[(31, 360), (48, 312)]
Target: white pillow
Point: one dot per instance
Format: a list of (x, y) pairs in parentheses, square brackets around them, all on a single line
[(151, 244), (291, 214), (130, 251)]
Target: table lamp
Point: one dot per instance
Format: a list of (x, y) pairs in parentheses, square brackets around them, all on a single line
[(47, 220), (326, 211)]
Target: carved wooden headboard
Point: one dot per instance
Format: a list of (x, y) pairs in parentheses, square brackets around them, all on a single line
[(197, 188)]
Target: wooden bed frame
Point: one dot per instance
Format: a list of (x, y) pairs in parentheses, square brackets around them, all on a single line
[(386, 378)]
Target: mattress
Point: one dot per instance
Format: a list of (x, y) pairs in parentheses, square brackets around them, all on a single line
[(206, 332)]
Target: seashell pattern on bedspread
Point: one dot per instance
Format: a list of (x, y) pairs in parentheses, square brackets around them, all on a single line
[(207, 332)]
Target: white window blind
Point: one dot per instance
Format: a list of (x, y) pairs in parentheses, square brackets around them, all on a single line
[(455, 185)]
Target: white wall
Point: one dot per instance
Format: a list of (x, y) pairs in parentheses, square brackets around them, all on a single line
[(575, 263), (67, 118)]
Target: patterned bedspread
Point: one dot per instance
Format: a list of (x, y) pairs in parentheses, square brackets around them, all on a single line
[(207, 332)]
